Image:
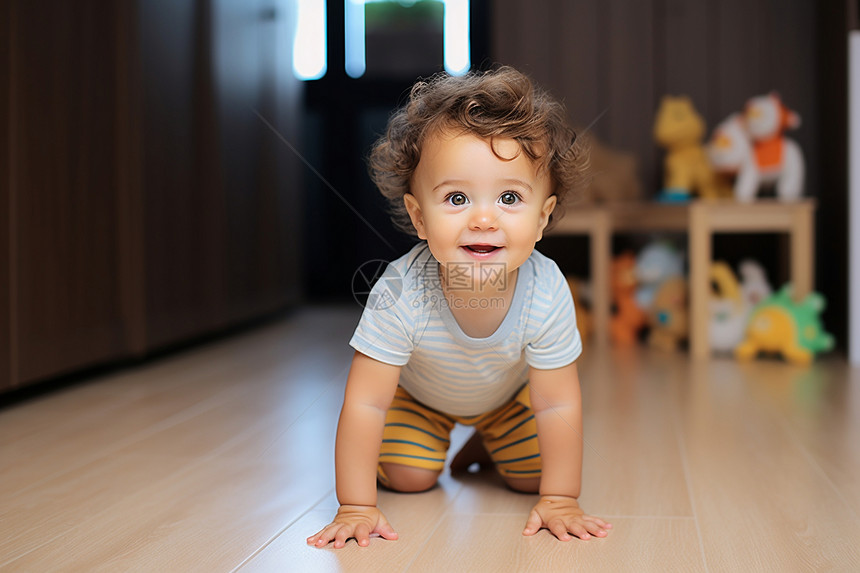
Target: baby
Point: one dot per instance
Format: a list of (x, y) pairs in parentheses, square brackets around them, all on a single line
[(472, 325)]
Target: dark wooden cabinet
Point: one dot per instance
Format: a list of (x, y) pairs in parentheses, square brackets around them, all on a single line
[(254, 106), (62, 120), (144, 202), (5, 198), (182, 208)]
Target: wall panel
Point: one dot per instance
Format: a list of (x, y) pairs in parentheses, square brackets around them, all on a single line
[(631, 93), (578, 71), (743, 45), (685, 51)]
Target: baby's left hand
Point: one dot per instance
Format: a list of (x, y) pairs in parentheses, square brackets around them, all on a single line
[(563, 516)]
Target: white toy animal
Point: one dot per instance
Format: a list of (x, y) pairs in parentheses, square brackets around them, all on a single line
[(731, 306), (728, 313), (753, 149)]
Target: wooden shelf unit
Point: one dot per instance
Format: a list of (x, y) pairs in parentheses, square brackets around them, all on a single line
[(700, 220)]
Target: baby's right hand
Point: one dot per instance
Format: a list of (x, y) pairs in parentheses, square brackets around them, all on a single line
[(359, 521)]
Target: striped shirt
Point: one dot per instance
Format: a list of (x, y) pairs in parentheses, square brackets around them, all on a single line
[(407, 323)]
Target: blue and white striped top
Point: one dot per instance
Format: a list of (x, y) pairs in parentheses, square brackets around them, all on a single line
[(407, 323)]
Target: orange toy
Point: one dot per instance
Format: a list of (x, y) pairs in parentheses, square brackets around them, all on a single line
[(628, 318)]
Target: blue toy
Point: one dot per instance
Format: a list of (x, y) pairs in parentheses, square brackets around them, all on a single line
[(656, 263)]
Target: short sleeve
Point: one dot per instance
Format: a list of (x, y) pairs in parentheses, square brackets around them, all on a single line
[(556, 341), (384, 332)]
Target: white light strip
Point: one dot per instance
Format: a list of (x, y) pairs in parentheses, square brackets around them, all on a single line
[(455, 33), (354, 23), (309, 47), (456, 30)]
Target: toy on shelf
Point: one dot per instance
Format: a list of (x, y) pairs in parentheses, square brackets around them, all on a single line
[(613, 174), (793, 330), (733, 301), (679, 129), (752, 148), (658, 261), (668, 317), (730, 152), (628, 318), (584, 320)]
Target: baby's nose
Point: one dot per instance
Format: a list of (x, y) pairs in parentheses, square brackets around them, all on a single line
[(484, 217)]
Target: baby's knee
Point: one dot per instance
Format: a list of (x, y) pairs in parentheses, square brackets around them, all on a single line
[(407, 479), (523, 485)]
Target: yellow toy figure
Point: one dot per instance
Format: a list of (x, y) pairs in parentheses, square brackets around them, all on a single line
[(680, 129), (668, 316)]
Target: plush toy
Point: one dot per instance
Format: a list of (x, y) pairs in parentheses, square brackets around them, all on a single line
[(751, 147), (728, 313), (780, 325), (658, 261), (730, 152), (668, 317), (584, 321), (628, 318), (679, 129), (733, 301), (613, 175)]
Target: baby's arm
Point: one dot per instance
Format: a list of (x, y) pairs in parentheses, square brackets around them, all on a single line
[(557, 403), (370, 389)]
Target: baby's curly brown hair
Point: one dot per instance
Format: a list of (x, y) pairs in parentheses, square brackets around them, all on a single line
[(498, 103)]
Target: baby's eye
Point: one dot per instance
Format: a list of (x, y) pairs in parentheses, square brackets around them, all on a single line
[(509, 198), (457, 199)]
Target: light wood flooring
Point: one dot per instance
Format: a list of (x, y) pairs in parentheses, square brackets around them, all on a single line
[(220, 458)]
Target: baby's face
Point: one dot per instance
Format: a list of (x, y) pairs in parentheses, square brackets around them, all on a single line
[(473, 207)]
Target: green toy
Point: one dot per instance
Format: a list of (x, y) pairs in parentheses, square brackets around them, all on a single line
[(780, 325)]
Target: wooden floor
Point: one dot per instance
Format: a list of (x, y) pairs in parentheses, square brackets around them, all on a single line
[(220, 459)]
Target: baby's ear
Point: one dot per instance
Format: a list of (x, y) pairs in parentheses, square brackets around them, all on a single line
[(546, 211), (415, 214)]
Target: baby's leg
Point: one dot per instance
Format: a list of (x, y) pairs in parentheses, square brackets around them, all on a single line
[(414, 445), (406, 479), (523, 485), (510, 437)]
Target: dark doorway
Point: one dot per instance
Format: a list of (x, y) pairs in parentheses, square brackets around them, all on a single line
[(346, 219)]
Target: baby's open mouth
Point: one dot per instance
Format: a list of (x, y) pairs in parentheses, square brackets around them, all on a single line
[(482, 248)]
